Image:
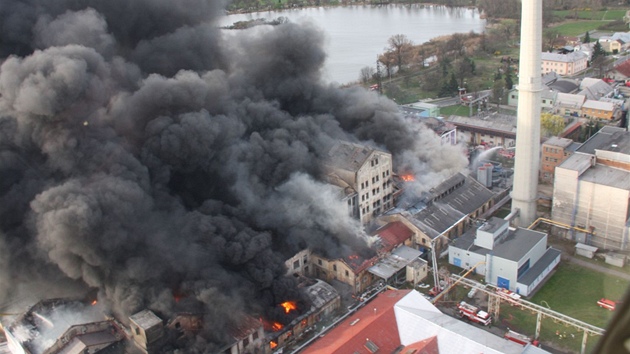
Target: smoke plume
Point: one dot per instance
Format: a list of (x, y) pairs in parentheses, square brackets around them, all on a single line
[(144, 152)]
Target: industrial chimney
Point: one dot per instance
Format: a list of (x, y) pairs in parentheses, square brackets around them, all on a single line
[(528, 120)]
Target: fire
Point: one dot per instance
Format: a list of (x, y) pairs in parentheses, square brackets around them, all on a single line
[(408, 178), (94, 302), (354, 256), (276, 326), (289, 306), (273, 344)]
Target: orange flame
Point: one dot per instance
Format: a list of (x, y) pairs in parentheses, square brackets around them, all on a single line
[(276, 326), (353, 256), (408, 178), (289, 306), (273, 344), (94, 302)]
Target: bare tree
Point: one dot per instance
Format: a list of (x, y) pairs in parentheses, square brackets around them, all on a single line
[(367, 73), (401, 47), (550, 39)]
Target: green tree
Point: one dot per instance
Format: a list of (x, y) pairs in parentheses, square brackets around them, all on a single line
[(509, 82), (449, 87), (587, 38), (551, 124), (598, 51)]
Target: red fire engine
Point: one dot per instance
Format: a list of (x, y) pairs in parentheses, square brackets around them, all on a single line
[(473, 313), (508, 295), (607, 304), (519, 338)]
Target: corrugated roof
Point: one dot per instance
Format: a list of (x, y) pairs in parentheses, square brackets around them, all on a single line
[(397, 260), (393, 234), (570, 100)]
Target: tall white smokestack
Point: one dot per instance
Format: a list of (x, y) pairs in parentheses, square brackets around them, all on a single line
[(528, 121)]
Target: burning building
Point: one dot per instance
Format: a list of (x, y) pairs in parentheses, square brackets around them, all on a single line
[(64, 326), (143, 149)]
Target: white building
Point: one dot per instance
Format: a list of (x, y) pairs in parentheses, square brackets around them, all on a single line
[(364, 172), (564, 64), (515, 259), (592, 190)]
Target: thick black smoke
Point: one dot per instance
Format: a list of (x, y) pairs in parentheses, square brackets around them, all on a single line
[(145, 153)]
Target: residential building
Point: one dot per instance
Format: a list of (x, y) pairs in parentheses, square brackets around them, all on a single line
[(600, 110), (569, 104), (365, 172), (620, 70), (610, 45), (592, 190), (403, 321), (595, 89), (514, 259), (564, 64), (554, 151), (354, 269)]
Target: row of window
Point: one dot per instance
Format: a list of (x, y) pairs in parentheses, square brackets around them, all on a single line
[(374, 179)]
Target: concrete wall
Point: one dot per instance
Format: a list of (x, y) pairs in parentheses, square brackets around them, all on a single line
[(501, 267), (467, 259)]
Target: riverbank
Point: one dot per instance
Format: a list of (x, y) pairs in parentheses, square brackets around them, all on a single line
[(313, 4)]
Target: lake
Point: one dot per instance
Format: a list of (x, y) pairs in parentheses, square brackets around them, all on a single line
[(357, 34)]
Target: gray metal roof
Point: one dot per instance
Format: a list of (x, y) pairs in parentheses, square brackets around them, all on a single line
[(532, 273), (494, 122), (563, 58), (348, 156), (564, 86), (468, 197), (145, 319), (607, 176), (557, 141), (320, 293), (512, 247), (394, 262), (608, 138)]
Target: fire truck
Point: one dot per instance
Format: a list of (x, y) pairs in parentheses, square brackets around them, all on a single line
[(473, 313), (607, 304), (508, 295), (520, 338)]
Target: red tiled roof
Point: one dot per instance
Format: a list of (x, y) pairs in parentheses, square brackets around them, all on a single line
[(393, 234), (624, 68), (375, 322), (426, 346), (358, 263)]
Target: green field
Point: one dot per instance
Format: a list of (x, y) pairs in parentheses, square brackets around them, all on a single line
[(572, 291), (578, 28), (609, 15)]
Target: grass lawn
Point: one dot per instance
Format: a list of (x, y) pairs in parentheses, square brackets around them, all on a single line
[(609, 15), (457, 110), (572, 291), (577, 28)]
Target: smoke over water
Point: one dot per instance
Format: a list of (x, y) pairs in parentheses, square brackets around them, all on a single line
[(146, 153)]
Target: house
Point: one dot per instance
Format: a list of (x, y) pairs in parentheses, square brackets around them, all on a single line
[(553, 152), (600, 110), (592, 190), (569, 104), (354, 269), (247, 336), (621, 70), (365, 174), (564, 64), (403, 321), (514, 259), (595, 89)]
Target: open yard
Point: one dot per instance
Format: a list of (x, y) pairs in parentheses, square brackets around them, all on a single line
[(603, 15), (577, 28), (573, 291)]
